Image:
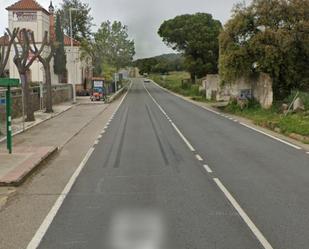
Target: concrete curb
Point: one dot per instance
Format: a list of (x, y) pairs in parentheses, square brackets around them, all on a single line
[(116, 95), (28, 172)]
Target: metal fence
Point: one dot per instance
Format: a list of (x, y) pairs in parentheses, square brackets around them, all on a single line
[(60, 92)]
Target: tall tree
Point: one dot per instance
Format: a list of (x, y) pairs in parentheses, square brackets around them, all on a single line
[(82, 20), (5, 49), (89, 51), (60, 59), (196, 36), (113, 44), (270, 36), (23, 60), (45, 60)]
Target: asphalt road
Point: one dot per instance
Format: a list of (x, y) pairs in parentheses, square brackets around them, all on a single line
[(146, 183)]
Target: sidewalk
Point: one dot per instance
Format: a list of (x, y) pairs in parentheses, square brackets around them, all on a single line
[(35, 145), (40, 116)]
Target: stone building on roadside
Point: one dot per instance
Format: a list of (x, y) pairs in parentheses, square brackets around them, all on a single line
[(259, 88)]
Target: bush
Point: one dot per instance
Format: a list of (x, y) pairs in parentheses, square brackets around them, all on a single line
[(303, 95), (179, 82)]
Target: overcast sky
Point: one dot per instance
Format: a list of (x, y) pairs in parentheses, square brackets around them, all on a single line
[(143, 17)]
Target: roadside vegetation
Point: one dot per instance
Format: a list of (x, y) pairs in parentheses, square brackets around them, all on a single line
[(161, 64), (295, 125), (179, 82), (264, 37)]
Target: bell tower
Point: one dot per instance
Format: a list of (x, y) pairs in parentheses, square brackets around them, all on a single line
[(51, 10)]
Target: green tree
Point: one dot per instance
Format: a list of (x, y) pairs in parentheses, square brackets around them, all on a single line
[(112, 44), (160, 64), (109, 71), (270, 36), (60, 60), (196, 36), (81, 19)]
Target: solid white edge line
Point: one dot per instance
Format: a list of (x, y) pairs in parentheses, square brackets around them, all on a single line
[(243, 215), (37, 238), (207, 168), (198, 157), (273, 137), (223, 115), (175, 127)]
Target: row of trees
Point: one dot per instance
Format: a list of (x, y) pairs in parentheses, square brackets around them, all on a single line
[(161, 64), (26, 52), (109, 48), (269, 36)]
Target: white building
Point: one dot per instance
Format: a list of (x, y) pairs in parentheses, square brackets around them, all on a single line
[(30, 15)]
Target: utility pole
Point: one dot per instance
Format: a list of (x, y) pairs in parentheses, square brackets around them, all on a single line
[(73, 55), (115, 76)]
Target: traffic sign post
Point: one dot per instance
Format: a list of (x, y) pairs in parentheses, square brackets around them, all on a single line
[(8, 120), (8, 83)]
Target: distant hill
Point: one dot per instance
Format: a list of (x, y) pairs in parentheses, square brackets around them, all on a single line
[(170, 57), (160, 64)]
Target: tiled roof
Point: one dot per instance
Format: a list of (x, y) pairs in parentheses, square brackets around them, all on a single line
[(67, 41), (27, 5), (4, 40)]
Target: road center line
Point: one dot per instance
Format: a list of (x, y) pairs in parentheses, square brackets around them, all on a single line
[(198, 157), (231, 199), (174, 126), (207, 168), (223, 115), (244, 216)]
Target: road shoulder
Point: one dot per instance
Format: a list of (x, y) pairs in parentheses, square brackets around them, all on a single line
[(239, 119)]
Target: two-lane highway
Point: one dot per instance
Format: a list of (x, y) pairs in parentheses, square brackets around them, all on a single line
[(168, 174)]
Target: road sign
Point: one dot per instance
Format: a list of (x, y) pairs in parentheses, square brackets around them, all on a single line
[(2, 101), (6, 82)]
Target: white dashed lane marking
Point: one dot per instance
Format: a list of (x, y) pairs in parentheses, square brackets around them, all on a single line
[(231, 199), (198, 157), (207, 168)]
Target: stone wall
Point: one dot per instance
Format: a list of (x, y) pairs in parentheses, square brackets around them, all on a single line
[(260, 88), (61, 93)]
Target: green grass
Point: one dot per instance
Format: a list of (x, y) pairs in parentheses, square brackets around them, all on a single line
[(273, 119), (292, 123), (173, 82)]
